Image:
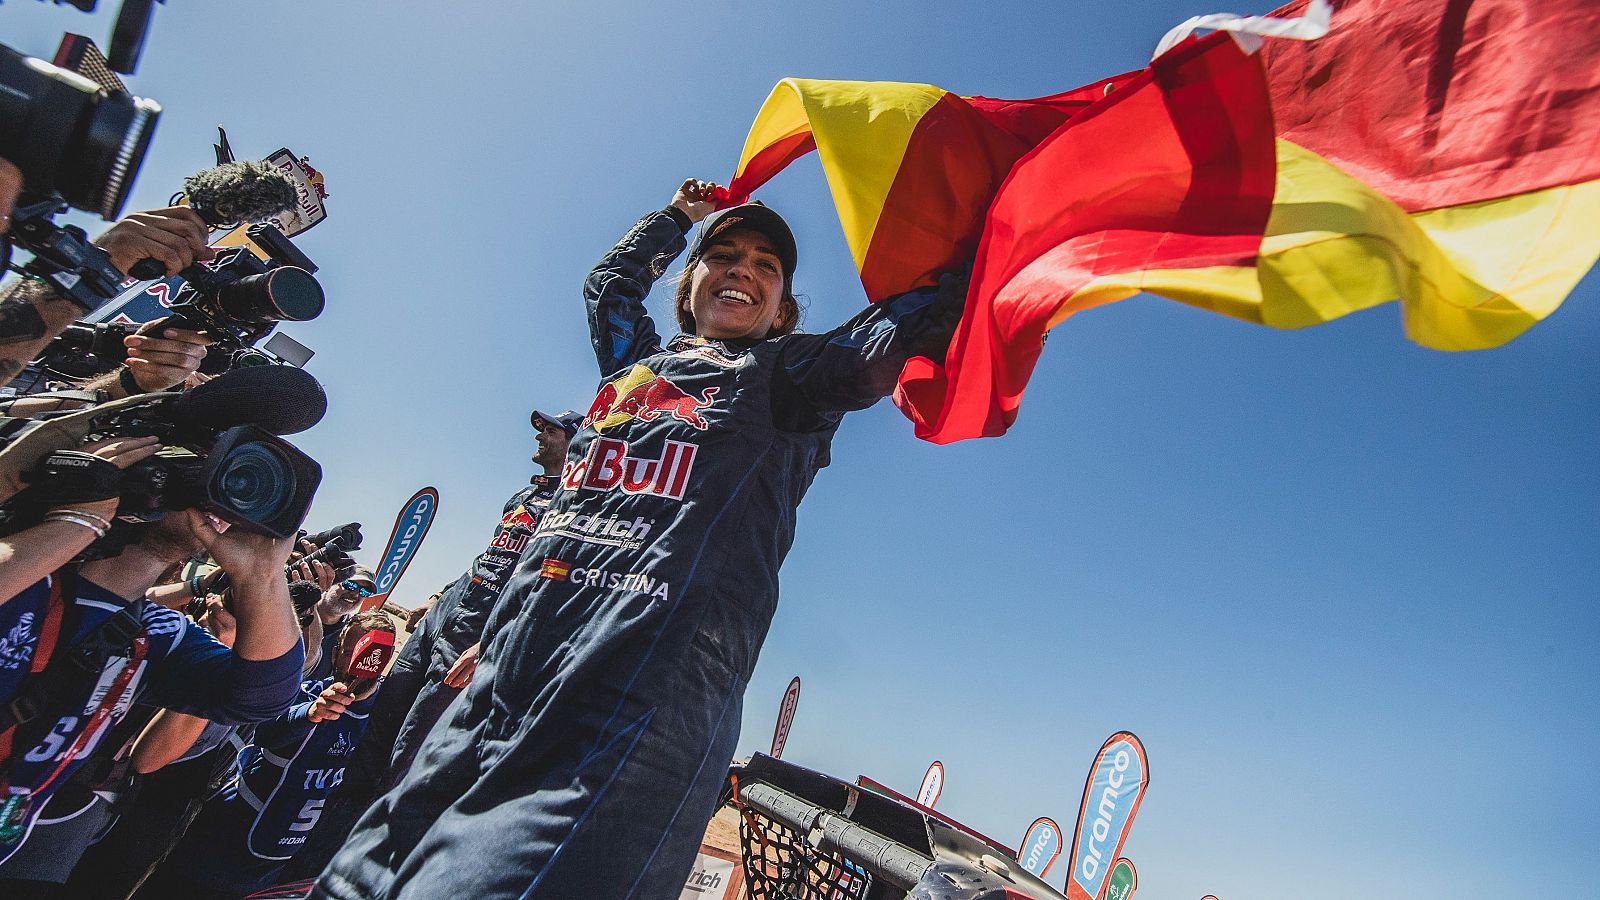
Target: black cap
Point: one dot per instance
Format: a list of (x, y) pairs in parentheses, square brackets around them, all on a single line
[(756, 217), (566, 419)]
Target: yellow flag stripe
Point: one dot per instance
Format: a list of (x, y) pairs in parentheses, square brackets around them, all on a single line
[(861, 129), (1467, 277)]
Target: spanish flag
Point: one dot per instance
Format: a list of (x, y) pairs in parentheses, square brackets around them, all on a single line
[(1441, 154)]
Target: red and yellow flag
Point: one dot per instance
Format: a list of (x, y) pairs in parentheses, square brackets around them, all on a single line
[(1443, 155)]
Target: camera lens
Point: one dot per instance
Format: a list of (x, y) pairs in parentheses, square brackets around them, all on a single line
[(256, 481), (283, 294), (68, 135)]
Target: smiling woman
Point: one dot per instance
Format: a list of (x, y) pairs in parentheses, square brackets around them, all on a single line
[(587, 755)]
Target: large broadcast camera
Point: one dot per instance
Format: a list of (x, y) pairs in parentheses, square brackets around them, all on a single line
[(221, 454)]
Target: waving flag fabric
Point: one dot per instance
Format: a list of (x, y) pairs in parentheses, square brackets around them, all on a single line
[(1443, 154)]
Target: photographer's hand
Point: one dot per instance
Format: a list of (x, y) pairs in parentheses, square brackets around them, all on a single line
[(694, 198), (331, 703), (176, 236), (10, 187), (267, 626), (157, 362)]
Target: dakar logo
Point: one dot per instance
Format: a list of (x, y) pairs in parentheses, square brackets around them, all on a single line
[(607, 466), (642, 394), (16, 648), (371, 664)]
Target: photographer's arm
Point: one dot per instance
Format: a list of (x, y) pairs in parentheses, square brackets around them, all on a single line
[(32, 553), (168, 736), (10, 187), (31, 312)]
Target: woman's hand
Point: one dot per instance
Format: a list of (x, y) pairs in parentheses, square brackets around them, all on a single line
[(696, 198)]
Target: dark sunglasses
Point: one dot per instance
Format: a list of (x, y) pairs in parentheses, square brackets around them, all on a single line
[(350, 584)]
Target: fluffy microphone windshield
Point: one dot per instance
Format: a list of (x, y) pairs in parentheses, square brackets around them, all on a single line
[(242, 191), (280, 399)]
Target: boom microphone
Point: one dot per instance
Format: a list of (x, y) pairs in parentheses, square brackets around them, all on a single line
[(243, 191), (240, 191), (279, 399)]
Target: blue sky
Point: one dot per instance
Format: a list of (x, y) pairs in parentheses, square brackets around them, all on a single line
[(1344, 588)]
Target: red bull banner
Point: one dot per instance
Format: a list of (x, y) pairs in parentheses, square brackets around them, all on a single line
[(1040, 846), (1124, 880), (1111, 798), (932, 785), (786, 710), (410, 527)]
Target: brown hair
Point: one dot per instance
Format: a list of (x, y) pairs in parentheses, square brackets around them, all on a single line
[(363, 622)]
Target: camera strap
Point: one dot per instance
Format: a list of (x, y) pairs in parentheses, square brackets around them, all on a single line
[(59, 675)]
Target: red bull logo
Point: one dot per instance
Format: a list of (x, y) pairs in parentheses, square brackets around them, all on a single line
[(608, 466), (519, 518), (642, 394)]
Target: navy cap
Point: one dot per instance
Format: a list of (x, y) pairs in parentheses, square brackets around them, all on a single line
[(567, 419), (756, 217)]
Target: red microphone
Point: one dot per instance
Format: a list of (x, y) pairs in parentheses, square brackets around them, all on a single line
[(364, 664)]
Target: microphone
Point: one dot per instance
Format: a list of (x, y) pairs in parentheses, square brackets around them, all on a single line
[(240, 191), (278, 399), (365, 662)]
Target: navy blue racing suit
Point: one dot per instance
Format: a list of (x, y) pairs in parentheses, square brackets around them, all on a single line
[(585, 758), (414, 694)]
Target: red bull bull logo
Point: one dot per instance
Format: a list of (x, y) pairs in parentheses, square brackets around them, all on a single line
[(608, 466), (642, 394), (519, 518)]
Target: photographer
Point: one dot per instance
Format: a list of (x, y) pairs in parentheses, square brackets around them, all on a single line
[(248, 830), (32, 311), (155, 657)]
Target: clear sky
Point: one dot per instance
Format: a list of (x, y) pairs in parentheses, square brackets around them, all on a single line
[(1344, 588)]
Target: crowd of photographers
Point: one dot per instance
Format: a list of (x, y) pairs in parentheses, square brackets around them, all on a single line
[(183, 675)]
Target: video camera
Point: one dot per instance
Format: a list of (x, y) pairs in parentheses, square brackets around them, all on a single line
[(237, 299), (221, 453)]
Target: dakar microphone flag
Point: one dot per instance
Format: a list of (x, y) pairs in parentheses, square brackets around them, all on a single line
[(1444, 155), (1111, 799)]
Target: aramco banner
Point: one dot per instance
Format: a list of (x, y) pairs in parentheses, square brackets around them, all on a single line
[(1111, 797), (410, 527), (932, 785), (1040, 846), (780, 731)]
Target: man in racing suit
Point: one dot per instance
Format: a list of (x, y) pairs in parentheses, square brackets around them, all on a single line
[(439, 659), (587, 755)]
